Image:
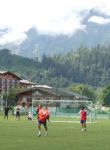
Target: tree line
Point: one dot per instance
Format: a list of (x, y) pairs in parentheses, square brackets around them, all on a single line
[(88, 66)]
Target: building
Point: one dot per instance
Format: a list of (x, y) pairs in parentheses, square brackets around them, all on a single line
[(43, 92), (8, 80), (26, 84), (31, 91)]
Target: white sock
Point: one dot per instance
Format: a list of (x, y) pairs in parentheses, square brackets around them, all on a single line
[(39, 132), (46, 132)]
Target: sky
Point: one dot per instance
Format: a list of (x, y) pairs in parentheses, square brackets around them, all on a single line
[(48, 17)]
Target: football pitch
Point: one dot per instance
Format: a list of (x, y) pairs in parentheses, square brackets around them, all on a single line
[(22, 135)]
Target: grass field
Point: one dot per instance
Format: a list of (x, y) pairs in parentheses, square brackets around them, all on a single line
[(22, 135)]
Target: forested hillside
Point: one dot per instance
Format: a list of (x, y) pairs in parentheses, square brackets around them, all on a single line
[(15, 63), (89, 66)]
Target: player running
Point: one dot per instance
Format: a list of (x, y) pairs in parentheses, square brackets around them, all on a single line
[(83, 118), (47, 113), (38, 108), (42, 120)]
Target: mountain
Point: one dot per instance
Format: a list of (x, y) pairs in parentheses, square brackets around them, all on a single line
[(87, 65), (36, 44)]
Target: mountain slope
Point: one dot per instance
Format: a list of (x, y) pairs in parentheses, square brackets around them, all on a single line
[(36, 44), (89, 66)]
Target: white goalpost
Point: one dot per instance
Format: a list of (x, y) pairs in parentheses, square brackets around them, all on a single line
[(64, 110)]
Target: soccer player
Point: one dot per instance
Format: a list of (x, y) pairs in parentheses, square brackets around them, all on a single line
[(38, 108), (17, 112), (29, 116), (83, 118), (42, 120), (47, 113), (6, 110)]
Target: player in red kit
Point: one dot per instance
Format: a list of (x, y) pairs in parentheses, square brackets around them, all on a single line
[(47, 113), (83, 118), (42, 119), (38, 108)]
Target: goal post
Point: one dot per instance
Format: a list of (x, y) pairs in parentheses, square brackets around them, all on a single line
[(64, 110)]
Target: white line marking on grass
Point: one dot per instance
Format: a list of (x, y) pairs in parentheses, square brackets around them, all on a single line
[(65, 121), (58, 121)]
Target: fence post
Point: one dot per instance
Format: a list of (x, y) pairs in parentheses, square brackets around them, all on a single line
[(95, 114), (109, 113)]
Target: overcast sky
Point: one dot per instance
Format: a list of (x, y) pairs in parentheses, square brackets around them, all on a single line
[(47, 16)]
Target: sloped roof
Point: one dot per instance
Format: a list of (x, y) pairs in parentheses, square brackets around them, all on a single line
[(54, 91), (43, 85), (6, 72), (57, 92), (2, 72), (26, 82)]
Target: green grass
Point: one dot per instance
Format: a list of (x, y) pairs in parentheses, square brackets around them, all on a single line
[(22, 135)]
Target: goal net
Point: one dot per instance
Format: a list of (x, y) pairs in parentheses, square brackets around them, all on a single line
[(64, 110)]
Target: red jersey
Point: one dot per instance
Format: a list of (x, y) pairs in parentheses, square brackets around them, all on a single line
[(83, 115), (38, 108), (47, 113), (41, 115)]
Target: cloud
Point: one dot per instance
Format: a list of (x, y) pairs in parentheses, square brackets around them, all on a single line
[(99, 20), (103, 6), (12, 37), (47, 16)]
